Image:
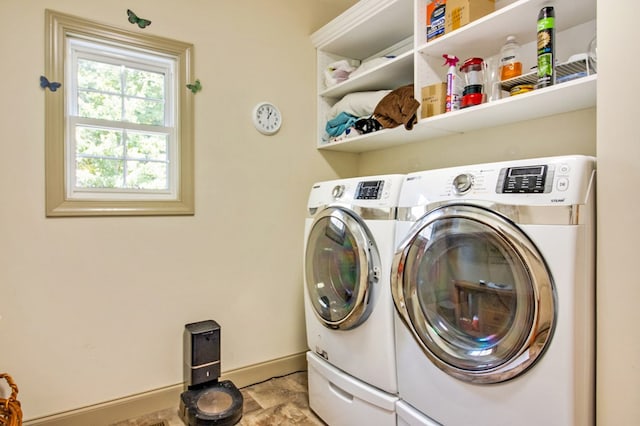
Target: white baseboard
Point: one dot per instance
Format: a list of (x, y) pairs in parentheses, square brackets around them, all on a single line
[(137, 405)]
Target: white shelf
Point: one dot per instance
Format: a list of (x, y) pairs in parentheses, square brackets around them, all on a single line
[(483, 37), (569, 96), (366, 28), (395, 73)]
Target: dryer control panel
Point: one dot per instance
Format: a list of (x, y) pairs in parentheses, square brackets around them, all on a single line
[(564, 180), (537, 179)]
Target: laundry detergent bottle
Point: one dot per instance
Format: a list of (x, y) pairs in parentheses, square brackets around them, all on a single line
[(454, 84)]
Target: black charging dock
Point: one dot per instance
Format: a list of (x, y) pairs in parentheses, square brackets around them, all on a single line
[(206, 400)]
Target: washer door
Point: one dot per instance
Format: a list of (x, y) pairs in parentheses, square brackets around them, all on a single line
[(341, 265), (475, 292)]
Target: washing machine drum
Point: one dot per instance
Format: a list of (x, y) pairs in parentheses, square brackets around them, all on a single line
[(342, 264), (475, 293)]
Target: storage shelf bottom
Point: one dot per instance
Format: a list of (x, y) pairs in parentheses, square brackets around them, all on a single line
[(564, 97)]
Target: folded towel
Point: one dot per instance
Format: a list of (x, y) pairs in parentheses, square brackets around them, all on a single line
[(338, 125)]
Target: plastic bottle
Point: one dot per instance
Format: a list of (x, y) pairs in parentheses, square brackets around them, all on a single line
[(454, 84), (546, 47), (510, 65)]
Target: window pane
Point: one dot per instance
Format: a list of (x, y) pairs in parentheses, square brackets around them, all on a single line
[(147, 175), (102, 156), (91, 141), (147, 146), (99, 173), (99, 76), (99, 105), (145, 84), (144, 111)]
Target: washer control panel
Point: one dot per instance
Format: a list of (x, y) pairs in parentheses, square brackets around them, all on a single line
[(369, 190), (526, 180)]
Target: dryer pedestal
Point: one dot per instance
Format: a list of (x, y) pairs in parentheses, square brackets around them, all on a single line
[(341, 400)]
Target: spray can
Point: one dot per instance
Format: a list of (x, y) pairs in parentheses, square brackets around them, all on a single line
[(546, 47), (454, 84)]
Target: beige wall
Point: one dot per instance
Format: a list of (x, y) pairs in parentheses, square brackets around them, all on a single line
[(618, 372), (570, 133), (75, 331), (93, 309)]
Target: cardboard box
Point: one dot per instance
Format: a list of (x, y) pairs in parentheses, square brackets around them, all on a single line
[(435, 19), (434, 98), (461, 12)]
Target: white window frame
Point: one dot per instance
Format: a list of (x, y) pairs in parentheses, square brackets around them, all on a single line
[(69, 38)]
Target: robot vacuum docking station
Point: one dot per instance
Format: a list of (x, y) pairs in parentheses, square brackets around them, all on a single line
[(207, 401)]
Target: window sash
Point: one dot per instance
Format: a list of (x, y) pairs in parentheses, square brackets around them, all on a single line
[(171, 161), (126, 59)]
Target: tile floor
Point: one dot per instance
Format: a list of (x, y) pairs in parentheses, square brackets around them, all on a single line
[(278, 401)]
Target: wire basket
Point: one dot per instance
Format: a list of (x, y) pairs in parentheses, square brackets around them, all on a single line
[(10, 411), (564, 72)]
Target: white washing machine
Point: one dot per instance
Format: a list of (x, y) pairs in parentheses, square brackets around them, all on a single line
[(493, 283), (349, 246)]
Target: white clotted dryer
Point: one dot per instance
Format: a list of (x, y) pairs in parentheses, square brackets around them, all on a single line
[(349, 246), (493, 284)]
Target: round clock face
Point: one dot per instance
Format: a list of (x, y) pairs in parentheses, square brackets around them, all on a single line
[(267, 118)]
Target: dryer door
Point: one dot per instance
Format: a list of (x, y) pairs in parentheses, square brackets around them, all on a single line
[(475, 292), (341, 266)]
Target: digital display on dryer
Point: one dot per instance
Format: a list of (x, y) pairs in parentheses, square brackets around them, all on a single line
[(369, 190), (524, 180), (527, 171)]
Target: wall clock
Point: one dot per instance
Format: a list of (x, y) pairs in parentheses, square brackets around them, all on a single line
[(267, 118)]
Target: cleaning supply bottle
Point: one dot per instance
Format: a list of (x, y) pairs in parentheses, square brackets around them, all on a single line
[(454, 84), (546, 47), (510, 65)]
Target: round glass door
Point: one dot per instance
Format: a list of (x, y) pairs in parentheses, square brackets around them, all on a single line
[(341, 264), (475, 293)]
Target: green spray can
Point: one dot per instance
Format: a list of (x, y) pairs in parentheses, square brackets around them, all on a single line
[(546, 47)]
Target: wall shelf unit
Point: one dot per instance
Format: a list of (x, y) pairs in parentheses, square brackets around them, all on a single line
[(373, 28)]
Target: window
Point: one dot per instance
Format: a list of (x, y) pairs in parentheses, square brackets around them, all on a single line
[(119, 131)]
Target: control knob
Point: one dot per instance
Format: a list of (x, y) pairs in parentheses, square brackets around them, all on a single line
[(462, 183), (337, 191)]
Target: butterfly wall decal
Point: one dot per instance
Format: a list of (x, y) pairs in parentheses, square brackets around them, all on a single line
[(53, 85), (133, 18), (195, 87)]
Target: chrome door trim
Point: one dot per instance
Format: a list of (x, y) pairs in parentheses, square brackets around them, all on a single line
[(520, 214), (544, 315), (365, 213), (368, 255)]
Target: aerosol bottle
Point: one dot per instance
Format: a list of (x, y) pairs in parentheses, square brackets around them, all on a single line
[(454, 84), (546, 47)]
